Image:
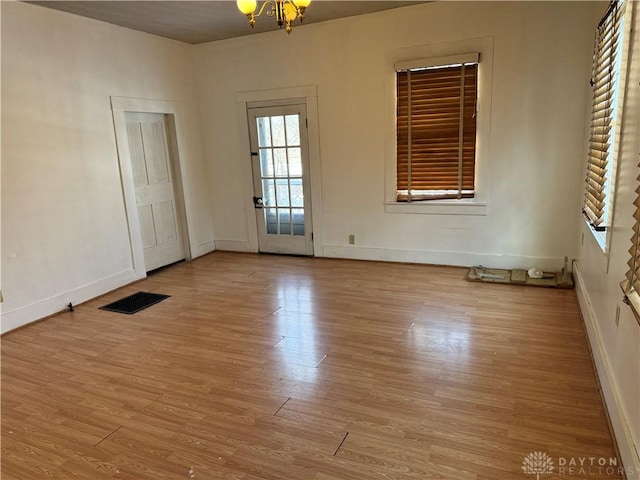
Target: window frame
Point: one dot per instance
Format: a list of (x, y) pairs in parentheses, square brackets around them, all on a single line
[(630, 295), (603, 236), (430, 53), (441, 64)]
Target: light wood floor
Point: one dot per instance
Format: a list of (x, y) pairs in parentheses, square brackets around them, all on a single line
[(265, 367)]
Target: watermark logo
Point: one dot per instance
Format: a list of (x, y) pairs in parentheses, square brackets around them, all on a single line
[(541, 463), (537, 463)]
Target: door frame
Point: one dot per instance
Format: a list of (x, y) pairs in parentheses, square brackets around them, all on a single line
[(171, 111), (306, 95)]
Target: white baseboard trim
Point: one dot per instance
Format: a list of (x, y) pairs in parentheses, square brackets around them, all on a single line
[(233, 246), (203, 249), (30, 313), (628, 454), (441, 258)]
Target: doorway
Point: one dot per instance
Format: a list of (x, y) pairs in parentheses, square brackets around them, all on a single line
[(280, 165)]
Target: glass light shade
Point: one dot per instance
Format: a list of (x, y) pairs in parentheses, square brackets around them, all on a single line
[(289, 12), (302, 3), (247, 6)]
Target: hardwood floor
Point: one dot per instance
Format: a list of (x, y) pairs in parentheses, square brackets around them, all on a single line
[(265, 367)]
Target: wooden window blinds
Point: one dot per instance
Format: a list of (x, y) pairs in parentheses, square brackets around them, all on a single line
[(436, 129), (604, 82), (631, 285)]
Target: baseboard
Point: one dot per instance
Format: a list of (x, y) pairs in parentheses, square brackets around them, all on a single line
[(628, 455), (442, 258), (30, 313), (233, 246), (203, 249)]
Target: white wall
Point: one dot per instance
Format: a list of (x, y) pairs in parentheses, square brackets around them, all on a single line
[(616, 348), (65, 236), (542, 55), (64, 228)]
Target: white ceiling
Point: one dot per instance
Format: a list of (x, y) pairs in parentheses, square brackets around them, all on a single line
[(205, 21)]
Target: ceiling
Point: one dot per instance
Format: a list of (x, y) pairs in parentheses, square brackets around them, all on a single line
[(205, 21)]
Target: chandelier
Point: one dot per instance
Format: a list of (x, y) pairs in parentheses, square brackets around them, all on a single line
[(284, 11)]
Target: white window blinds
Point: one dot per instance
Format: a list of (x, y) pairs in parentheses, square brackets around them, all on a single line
[(604, 82)]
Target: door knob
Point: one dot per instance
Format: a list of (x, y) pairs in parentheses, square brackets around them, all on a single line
[(257, 202)]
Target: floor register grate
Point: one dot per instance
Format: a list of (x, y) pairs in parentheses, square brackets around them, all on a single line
[(134, 303)]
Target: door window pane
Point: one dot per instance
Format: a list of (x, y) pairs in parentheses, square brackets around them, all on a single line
[(295, 162), (284, 218), (271, 221), (266, 162), (264, 132), (297, 196), (293, 130), (268, 193), (277, 131), (297, 217), (280, 157), (282, 192)]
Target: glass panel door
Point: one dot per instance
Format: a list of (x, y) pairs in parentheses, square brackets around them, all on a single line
[(279, 151)]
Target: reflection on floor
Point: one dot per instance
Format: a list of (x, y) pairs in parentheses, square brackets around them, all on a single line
[(266, 367)]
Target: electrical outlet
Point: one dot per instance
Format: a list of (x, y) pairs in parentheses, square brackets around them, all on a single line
[(352, 239), (617, 315)]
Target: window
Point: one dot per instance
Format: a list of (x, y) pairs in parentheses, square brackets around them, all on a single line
[(605, 85), (631, 285), (436, 105)]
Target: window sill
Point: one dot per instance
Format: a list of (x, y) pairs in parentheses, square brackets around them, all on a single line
[(438, 207), (599, 237), (632, 299)]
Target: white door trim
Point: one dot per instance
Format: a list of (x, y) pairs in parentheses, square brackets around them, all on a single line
[(119, 106), (283, 96)]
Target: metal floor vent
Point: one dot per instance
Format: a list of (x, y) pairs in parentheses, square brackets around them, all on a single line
[(134, 303)]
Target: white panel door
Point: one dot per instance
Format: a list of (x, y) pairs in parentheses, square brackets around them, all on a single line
[(155, 195), (280, 161)]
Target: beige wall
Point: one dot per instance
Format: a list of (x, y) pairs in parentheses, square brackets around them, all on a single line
[(65, 236), (64, 229), (541, 65), (541, 56), (616, 348)]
